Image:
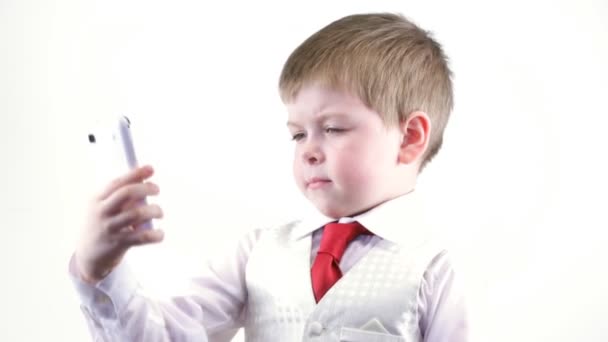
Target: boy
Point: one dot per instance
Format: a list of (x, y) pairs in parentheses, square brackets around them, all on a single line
[(368, 98)]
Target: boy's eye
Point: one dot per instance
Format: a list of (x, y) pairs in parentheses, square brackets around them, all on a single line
[(333, 130), (297, 136)]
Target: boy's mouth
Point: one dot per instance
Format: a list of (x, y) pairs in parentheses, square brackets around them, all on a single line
[(315, 183)]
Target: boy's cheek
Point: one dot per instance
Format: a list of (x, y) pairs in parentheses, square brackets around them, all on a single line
[(297, 175)]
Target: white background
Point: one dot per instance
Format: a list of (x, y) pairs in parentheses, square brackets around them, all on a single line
[(520, 183)]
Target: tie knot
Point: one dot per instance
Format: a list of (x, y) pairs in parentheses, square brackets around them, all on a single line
[(336, 236)]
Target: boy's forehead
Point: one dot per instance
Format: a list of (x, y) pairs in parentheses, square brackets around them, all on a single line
[(321, 93), (316, 100)]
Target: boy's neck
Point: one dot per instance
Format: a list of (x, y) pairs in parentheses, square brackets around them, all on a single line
[(387, 199)]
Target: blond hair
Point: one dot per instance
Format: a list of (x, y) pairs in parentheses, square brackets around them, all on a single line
[(391, 64)]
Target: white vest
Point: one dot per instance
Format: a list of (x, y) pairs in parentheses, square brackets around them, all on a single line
[(383, 285)]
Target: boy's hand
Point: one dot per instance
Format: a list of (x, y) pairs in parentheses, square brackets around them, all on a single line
[(109, 229)]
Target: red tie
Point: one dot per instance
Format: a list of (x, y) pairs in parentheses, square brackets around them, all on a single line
[(325, 271)]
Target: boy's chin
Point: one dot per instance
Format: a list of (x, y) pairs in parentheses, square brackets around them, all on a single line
[(336, 207), (333, 212), (330, 211), (336, 212)]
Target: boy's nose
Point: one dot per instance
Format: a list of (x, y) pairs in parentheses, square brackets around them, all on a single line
[(312, 154)]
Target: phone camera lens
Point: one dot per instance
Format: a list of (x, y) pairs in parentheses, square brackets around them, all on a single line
[(91, 138)]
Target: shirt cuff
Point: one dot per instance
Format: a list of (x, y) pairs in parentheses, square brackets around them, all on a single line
[(108, 297)]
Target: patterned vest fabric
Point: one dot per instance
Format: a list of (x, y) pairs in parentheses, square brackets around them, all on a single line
[(376, 300)]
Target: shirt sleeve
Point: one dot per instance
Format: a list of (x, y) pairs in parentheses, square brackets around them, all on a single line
[(212, 309), (442, 304)]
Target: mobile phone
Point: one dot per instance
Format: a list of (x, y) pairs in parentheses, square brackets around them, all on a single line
[(113, 151)]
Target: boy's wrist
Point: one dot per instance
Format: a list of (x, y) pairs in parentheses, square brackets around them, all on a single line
[(108, 295), (90, 279), (87, 276)]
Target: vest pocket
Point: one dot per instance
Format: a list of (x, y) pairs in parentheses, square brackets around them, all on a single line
[(357, 335)]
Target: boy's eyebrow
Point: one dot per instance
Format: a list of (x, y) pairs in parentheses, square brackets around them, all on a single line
[(292, 124), (321, 117)]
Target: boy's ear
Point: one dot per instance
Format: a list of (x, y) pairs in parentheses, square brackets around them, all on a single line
[(415, 132)]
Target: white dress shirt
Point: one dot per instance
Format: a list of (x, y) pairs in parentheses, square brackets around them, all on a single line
[(214, 308)]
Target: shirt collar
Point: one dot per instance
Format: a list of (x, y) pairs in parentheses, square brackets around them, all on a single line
[(398, 220)]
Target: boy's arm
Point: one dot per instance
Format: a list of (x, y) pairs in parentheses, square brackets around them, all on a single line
[(212, 310), (443, 309)]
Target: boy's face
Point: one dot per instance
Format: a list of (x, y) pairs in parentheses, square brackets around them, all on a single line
[(346, 158)]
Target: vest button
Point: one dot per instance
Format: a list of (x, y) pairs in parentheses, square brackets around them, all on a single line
[(315, 329)]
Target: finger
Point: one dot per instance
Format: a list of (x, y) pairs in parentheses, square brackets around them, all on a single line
[(155, 213), (132, 203), (133, 217), (128, 193), (141, 237), (134, 176)]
